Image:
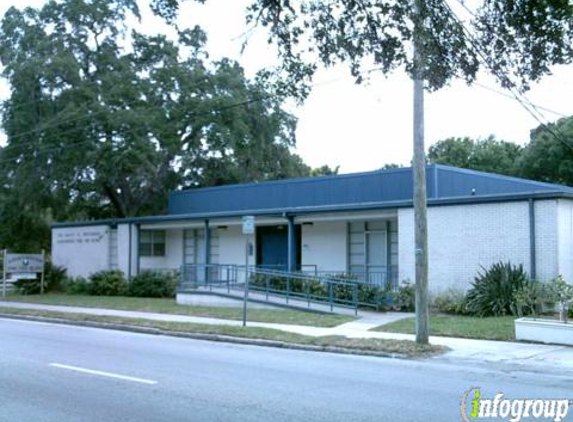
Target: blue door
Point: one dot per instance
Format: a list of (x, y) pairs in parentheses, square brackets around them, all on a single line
[(272, 247)]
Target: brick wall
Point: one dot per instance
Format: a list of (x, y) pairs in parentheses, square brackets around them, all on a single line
[(464, 237), (565, 233)]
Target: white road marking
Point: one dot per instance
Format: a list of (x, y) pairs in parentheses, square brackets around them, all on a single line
[(103, 374)]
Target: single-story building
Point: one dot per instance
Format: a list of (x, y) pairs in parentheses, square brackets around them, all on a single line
[(354, 223)]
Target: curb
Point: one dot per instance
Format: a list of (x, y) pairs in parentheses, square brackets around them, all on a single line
[(210, 337)]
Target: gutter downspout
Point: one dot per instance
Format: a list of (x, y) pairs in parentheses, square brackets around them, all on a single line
[(532, 251)]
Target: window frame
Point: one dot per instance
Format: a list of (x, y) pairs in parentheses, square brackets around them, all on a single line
[(152, 243)]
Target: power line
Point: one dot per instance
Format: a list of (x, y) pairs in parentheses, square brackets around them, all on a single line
[(519, 96), (503, 94)]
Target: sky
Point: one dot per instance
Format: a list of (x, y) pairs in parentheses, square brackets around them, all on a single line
[(363, 127)]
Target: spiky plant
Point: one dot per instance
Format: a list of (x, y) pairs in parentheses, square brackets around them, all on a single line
[(493, 291)]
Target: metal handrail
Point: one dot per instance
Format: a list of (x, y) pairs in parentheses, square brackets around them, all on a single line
[(331, 288)]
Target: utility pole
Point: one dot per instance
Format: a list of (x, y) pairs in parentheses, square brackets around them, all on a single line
[(419, 180)]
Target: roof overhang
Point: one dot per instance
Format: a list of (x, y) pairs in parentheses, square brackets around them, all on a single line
[(306, 213)]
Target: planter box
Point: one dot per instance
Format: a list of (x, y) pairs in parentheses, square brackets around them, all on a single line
[(544, 331)]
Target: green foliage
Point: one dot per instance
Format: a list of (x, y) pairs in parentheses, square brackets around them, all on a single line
[(518, 41), (405, 297), (493, 291), (450, 301), (153, 284), (103, 121), (390, 166), (324, 171), (54, 277), (107, 283), (548, 158), (488, 154), (346, 291), (76, 286), (528, 299), (27, 286), (562, 293)]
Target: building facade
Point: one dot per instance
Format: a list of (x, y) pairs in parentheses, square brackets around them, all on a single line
[(361, 224)]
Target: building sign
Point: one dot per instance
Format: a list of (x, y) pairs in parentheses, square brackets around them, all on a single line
[(24, 263), (249, 224), (82, 236)]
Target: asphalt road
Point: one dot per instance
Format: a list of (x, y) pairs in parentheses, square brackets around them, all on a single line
[(46, 375)]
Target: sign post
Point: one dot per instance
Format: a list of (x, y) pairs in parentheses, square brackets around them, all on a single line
[(4, 274), (23, 266), (248, 230)]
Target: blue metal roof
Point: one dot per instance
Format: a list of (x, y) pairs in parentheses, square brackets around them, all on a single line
[(384, 189), (384, 186)]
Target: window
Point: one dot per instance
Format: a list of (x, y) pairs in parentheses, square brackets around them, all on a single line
[(152, 243)]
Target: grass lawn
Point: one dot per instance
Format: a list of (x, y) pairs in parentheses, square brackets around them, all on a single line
[(492, 328), (169, 306), (404, 347)]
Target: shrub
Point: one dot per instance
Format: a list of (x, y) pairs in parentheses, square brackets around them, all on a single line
[(529, 298), (28, 286), (107, 283), (561, 293), (451, 301), (76, 286), (318, 288), (493, 291), (405, 297), (153, 284), (54, 277)]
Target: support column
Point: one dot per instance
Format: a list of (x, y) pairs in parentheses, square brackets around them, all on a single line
[(388, 253), (291, 261), (207, 249), (137, 254), (129, 251)]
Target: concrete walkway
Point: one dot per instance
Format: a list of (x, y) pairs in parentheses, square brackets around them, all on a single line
[(496, 354)]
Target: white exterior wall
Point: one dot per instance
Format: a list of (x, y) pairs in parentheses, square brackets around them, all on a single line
[(81, 250), (325, 244), (546, 240), (232, 246), (462, 238), (565, 236), (173, 258), (123, 248)]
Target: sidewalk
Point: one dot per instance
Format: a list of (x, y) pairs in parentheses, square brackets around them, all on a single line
[(510, 355)]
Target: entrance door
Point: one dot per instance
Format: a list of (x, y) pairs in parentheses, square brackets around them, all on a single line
[(274, 251), (272, 247)]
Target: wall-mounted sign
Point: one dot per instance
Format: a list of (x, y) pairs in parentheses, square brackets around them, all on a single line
[(24, 263), (81, 236), (249, 224)]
